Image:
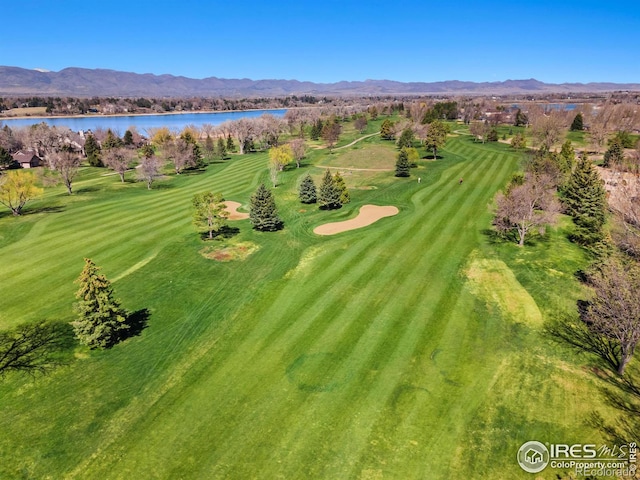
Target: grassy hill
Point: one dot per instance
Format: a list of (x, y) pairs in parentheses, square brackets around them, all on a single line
[(413, 348)]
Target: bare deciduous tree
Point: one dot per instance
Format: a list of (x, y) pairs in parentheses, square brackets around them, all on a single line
[(624, 201), (614, 310), (331, 133), (547, 129), (532, 205), (43, 139), (243, 130), (299, 149), (479, 130), (180, 153), (271, 128), (360, 123), (118, 159), (149, 169), (66, 163)]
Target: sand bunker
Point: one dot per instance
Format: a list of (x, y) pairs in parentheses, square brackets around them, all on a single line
[(234, 214), (368, 215)]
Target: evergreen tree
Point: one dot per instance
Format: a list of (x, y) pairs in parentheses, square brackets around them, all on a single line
[(198, 158), (101, 320), (329, 195), (585, 200), (111, 141), (308, 192), (521, 119), (492, 136), (519, 141), (625, 139), (338, 181), (614, 156), (578, 123), (128, 138), (386, 129), (221, 149), (406, 138), (567, 157), (316, 130), (263, 212), (6, 160), (231, 147), (92, 149), (402, 165)]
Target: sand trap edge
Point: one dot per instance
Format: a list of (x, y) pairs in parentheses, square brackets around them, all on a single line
[(367, 215)]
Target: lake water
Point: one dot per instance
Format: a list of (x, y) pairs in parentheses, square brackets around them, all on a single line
[(550, 106), (120, 123)]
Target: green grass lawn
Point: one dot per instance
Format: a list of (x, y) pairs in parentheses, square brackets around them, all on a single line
[(411, 349)]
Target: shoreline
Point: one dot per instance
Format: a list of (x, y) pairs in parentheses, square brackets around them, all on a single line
[(102, 115)]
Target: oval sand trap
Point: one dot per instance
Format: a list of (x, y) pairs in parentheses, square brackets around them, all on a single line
[(368, 215), (234, 214)]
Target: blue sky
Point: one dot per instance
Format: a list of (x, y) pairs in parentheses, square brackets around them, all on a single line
[(330, 40)]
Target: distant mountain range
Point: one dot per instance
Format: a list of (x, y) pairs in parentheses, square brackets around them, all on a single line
[(82, 82)]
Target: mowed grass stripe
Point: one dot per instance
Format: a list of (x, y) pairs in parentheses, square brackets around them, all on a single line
[(433, 337), (154, 220), (253, 395), (342, 286), (306, 408), (422, 270)]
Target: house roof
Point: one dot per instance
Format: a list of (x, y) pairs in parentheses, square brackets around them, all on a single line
[(24, 157)]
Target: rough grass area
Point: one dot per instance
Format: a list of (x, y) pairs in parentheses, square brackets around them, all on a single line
[(363, 156), (227, 253), (492, 281)]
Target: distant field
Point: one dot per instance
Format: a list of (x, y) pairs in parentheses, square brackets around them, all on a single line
[(410, 349), (25, 112)]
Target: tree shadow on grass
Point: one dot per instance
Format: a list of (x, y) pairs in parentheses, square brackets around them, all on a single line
[(622, 392), (33, 211), (623, 395), (494, 237), (575, 333), (194, 171), (161, 186), (532, 240), (137, 322), (36, 348), (90, 189), (225, 232)]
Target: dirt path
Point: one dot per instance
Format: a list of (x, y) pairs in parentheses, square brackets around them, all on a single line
[(357, 169), (356, 141)]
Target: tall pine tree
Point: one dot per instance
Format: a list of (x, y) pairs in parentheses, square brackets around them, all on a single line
[(578, 123), (342, 187), (586, 202), (329, 194), (101, 319), (614, 156), (308, 192), (263, 212), (402, 164), (92, 149)]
